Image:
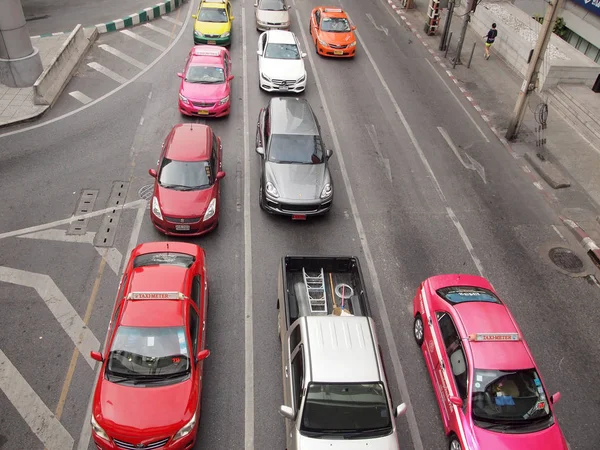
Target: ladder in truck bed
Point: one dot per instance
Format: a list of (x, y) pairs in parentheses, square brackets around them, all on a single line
[(315, 289)]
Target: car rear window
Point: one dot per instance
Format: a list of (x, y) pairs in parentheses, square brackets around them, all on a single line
[(465, 294), (164, 259)]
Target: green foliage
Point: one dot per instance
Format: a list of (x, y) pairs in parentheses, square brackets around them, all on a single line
[(560, 28)]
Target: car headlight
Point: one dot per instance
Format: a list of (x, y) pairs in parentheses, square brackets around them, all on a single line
[(210, 211), (264, 77), (323, 43), (227, 34), (301, 79), (353, 44), (271, 189), (286, 24), (156, 208), (184, 99), (224, 100), (261, 23), (98, 429), (186, 429), (198, 34), (327, 191)]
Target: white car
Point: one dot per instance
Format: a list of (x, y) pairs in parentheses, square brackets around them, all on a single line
[(272, 15), (280, 63)]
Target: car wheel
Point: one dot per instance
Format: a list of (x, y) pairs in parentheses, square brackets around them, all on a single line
[(279, 324), (260, 198), (418, 330), (316, 48), (454, 444)]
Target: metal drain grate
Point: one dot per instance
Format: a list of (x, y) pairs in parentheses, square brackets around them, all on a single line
[(106, 236), (565, 259), (85, 205), (146, 192)]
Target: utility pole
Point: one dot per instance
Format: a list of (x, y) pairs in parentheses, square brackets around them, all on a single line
[(530, 80), (443, 42), (463, 31)]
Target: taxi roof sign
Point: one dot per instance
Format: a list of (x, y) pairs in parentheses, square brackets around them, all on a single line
[(202, 52), (494, 337), (155, 296), (337, 10)]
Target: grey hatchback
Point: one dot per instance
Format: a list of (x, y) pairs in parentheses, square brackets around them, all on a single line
[(295, 179)]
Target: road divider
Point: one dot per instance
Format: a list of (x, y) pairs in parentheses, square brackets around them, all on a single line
[(145, 15)]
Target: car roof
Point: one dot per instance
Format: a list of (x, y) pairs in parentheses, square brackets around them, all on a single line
[(292, 115), (207, 54), (342, 350), (281, 37), (189, 142)]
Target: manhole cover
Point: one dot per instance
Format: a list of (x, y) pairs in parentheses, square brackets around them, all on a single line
[(145, 192), (566, 259)]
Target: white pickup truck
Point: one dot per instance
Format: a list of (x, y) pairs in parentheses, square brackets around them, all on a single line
[(334, 385)]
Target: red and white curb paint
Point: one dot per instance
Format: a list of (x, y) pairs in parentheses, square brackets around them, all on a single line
[(585, 240), (548, 196)]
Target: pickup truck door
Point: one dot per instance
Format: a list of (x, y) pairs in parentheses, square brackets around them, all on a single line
[(293, 377)]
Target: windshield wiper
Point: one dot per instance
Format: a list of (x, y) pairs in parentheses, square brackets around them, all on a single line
[(179, 187), (368, 432), (138, 379)]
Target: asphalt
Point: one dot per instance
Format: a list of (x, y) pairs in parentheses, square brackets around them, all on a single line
[(422, 212)]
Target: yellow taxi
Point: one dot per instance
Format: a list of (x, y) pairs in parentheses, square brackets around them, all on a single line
[(213, 23)]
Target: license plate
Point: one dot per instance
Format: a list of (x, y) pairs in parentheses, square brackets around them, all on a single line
[(299, 217), (203, 112), (338, 52), (283, 88), (212, 42), (182, 227)]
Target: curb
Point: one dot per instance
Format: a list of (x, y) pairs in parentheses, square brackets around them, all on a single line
[(26, 119), (145, 15), (584, 239), (547, 171)]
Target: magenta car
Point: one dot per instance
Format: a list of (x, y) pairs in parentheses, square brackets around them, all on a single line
[(205, 84)]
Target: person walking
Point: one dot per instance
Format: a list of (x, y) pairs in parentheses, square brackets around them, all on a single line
[(491, 37)]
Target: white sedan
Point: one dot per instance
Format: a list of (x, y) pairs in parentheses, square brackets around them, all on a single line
[(280, 63)]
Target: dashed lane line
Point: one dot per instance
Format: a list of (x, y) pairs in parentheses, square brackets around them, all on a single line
[(80, 96), (123, 56), (157, 29), (109, 73), (171, 20), (143, 40)]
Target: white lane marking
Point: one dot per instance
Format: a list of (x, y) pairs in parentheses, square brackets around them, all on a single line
[(171, 20), (143, 40), (248, 307), (157, 29), (465, 240), (141, 120), (108, 94), (472, 164), (385, 321), (458, 101), (80, 96), (56, 223), (558, 232), (112, 256), (377, 27), (106, 71), (59, 306), (538, 185), (123, 56), (32, 409)]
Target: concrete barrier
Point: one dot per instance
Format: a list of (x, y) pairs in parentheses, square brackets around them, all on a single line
[(57, 74)]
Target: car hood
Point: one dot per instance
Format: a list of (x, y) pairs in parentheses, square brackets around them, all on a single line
[(212, 27), (282, 69), (380, 443), (272, 16), (551, 437), (184, 203), (140, 411), (208, 92), (337, 38), (297, 181)]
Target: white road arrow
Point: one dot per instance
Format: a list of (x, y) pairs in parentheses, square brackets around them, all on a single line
[(378, 27), (472, 164)]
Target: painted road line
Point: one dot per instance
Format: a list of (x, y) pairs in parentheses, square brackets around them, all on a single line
[(32, 409), (413, 425), (109, 73), (157, 29), (123, 56), (472, 164), (171, 20), (143, 40), (80, 96), (58, 305)]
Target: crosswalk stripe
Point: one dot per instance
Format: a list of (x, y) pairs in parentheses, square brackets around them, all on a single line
[(81, 97), (109, 73), (170, 19), (157, 29), (148, 42), (123, 56)]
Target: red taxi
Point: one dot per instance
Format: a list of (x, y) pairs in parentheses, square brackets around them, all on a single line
[(187, 190), (150, 384), (489, 389), (206, 82)]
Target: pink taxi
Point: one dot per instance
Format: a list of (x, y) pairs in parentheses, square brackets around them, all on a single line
[(489, 389), (206, 82)]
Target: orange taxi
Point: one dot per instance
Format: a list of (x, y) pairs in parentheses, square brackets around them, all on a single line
[(332, 33)]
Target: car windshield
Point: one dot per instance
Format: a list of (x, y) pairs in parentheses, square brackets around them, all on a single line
[(335, 25), (272, 5), (346, 408), (218, 15), (148, 351), (295, 148), (515, 396), (465, 294), (205, 75), (282, 51), (185, 175)]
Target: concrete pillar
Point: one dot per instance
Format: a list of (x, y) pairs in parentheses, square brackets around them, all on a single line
[(20, 63)]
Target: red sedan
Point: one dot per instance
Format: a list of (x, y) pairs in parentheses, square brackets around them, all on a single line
[(150, 385), (187, 189), (489, 389)]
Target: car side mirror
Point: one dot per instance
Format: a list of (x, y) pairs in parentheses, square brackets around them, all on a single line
[(97, 356), (555, 398), (289, 7), (353, 27), (220, 175), (230, 77), (456, 400), (400, 410), (303, 55), (152, 173), (231, 18), (256, 5), (259, 52), (180, 75), (287, 412), (329, 153), (202, 355), (260, 151), (194, 16)]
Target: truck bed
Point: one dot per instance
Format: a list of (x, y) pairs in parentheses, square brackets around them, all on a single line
[(342, 280)]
